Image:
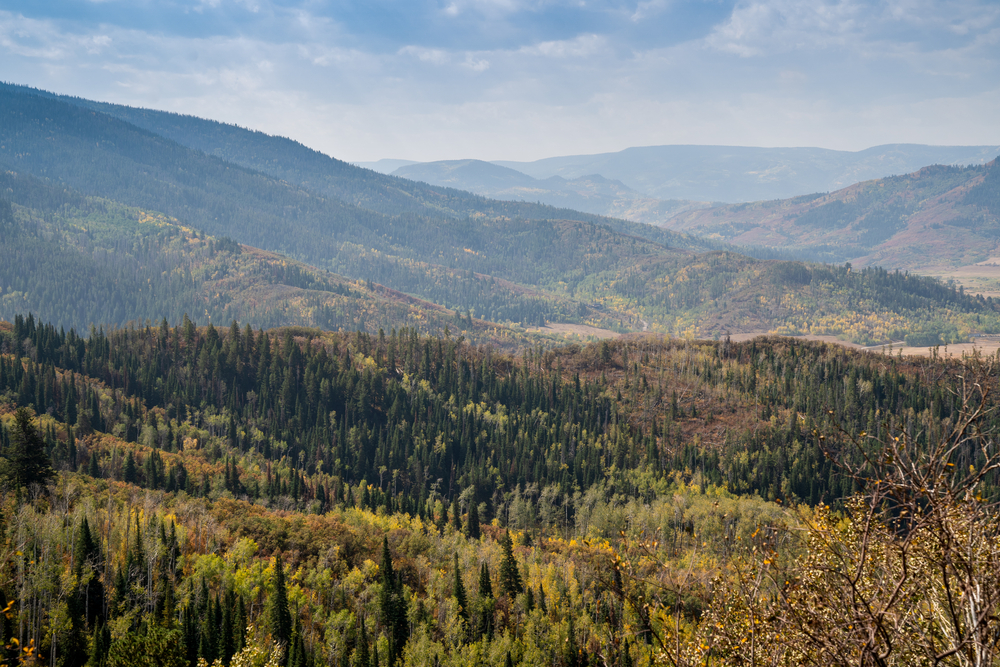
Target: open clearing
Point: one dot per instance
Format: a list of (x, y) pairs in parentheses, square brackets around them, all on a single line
[(982, 278), (985, 346)]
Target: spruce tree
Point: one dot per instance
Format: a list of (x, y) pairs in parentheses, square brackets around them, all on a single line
[(485, 585), (27, 462), (130, 474), (485, 604), (279, 618), (86, 560), (362, 656), (460, 596), (99, 644), (510, 577), (393, 607), (74, 645), (456, 519), (472, 528), (572, 655)]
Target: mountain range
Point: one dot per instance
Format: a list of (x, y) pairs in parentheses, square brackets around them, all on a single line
[(440, 254), (654, 183), (709, 173), (937, 217)]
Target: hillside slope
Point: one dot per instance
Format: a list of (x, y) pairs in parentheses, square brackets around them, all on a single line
[(294, 163), (79, 261), (592, 193), (740, 173), (505, 269), (448, 259), (936, 217)]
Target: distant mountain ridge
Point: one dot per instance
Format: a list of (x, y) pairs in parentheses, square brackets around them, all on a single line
[(739, 174), (936, 217), (509, 262), (591, 193)]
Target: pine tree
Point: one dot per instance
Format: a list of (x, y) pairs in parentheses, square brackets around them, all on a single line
[(362, 656), (485, 604), (100, 642), (572, 655), (472, 527), (27, 462), (456, 519), (279, 618), (460, 596), (130, 474), (393, 606), (510, 577), (485, 586), (93, 469)]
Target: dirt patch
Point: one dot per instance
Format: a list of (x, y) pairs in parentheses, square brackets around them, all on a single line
[(985, 346), (581, 330)]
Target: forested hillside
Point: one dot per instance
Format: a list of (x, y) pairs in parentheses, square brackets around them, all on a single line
[(504, 265), (936, 217), (294, 163), (429, 502), (82, 261)]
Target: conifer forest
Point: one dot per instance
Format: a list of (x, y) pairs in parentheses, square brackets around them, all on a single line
[(233, 496)]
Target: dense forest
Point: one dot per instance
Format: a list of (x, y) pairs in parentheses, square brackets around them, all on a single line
[(194, 493)]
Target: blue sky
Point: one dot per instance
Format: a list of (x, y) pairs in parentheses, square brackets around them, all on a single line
[(526, 79)]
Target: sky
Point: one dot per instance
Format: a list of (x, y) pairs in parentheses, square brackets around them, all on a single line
[(527, 79)]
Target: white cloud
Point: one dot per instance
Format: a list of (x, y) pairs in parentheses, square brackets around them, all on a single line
[(433, 56), (476, 64), (773, 72), (758, 27), (578, 47), (648, 8)]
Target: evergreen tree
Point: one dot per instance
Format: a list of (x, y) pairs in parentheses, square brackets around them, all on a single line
[(279, 618), (485, 586), (86, 564), (510, 577), (100, 643), (27, 463), (393, 606), (485, 604), (74, 644), (456, 519), (362, 655), (130, 475), (572, 655), (460, 595), (472, 527)]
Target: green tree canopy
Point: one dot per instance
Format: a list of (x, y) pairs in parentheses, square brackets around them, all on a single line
[(27, 462)]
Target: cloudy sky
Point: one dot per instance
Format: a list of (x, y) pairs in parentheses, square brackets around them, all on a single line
[(526, 79)]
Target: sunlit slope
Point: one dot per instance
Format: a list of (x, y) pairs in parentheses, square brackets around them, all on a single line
[(936, 217)]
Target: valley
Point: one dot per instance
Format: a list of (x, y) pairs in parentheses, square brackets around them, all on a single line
[(262, 407)]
